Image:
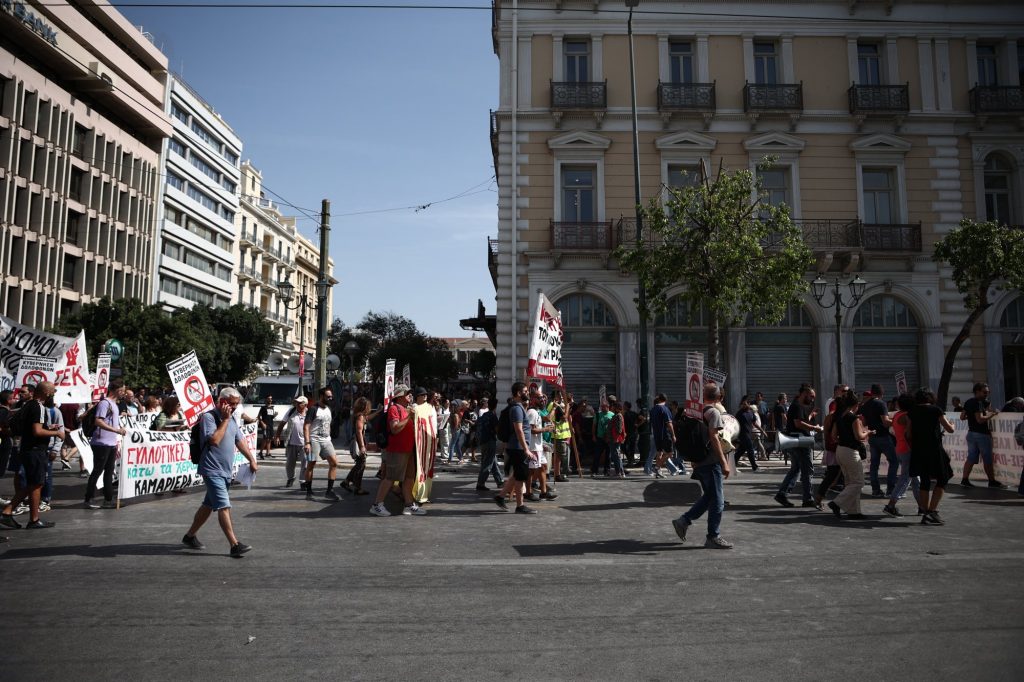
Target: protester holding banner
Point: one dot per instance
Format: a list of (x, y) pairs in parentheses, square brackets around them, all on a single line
[(32, 457), (104, 446), (219, 438), (398, 464)]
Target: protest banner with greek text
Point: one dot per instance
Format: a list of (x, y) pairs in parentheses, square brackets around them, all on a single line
[(389, 381), (190, 386), (18, 341), (33, 370), (694, 406), (71, 377), (545, 360)]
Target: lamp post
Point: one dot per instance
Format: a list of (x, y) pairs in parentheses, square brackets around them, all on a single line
[(286, 290), (641, 289), (856, 286), (351, 349), (322, 287)]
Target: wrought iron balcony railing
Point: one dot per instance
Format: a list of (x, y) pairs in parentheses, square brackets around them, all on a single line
[(778, 97), (879, 99), (577, 236), (579, 95), (997, 99), (686, 96), (903, 237)]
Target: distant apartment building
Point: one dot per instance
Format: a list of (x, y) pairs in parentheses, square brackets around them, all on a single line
[(82, 122), (307, 274), (888, 121), (197, 233)]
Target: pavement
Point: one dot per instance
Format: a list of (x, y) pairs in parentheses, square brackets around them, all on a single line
[(595, 587)]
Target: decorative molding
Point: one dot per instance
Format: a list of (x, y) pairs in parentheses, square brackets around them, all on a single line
[(579, 140), (687, 141)]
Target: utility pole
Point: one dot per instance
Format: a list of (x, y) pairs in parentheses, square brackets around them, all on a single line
[(322, 287)]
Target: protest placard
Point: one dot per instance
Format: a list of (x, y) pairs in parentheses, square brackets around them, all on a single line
[(33, 370), (715, 376), (545, 359), (191, 387), (85, 453), (102, 380), (901, 383), (18, 341), (407, 376), (136, 422), (602, 397), (694, 406), (389, 381)]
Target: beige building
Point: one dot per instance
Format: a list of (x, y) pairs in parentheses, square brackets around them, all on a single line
[(81, 126), (307, 273), (890, 121)]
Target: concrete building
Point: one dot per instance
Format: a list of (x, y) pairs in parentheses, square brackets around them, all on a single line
[(307, 274), (890, 121), (81, 127), (201, 176)]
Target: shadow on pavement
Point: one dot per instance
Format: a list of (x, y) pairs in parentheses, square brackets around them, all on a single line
[(101, 551), (821, 519), (624, 547)]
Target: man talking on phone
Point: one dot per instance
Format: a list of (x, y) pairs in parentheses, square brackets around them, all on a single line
[(219, 435)]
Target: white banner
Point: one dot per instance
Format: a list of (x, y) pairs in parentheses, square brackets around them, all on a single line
[(102, 372), (33, 370), (136, 422), (715, 376), (389, 382), (694, 405), (18, 340), (407, 376), (73, 381), (1007, 456), (191, 387), (545, 359), (85, 453)]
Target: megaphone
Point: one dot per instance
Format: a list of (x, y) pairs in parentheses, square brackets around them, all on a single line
[(333, 362), (784, 442), (275, 362), (308, 362), (293, 364)]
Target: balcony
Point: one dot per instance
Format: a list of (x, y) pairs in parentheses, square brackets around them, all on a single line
[(879, 99), (492, 260), (494, 141), (686, 96), (576, 236), (585, 95), (896, 237), (248, 238), (997, 99), (245, 273), (785, 98)]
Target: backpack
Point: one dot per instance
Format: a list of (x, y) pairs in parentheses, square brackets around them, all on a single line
[(693, 440), (1018, 433), (195, 441), (89, 421), (504, 428), (381, 430)]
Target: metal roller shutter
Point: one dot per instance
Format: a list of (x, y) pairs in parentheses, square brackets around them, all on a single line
[(670, 369), (778, 362), (879, 355), (586, 366)]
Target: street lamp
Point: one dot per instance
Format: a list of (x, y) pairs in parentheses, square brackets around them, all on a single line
[(819, 288), (351, 349), (286, 290), (641, 289), (322, 287)]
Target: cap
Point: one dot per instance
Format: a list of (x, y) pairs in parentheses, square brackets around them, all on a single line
[(400, 390), (868, 394), (419, 391), (303, 400)]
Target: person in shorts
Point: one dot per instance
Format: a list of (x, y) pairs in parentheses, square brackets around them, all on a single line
[(318, 444), (664, 435), (33, 457), (519, 440), (398, 464)]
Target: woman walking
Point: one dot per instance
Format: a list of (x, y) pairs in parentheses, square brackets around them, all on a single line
[(928, 459), (900, 424), (360, 416), (850, 434)]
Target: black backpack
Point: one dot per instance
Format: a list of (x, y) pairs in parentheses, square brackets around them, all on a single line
[(381, 430), (195, 441), (504, 428), (89, 420), (693, 440)]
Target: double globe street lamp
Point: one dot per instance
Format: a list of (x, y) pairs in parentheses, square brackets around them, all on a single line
[(856, 286), (286, 290)]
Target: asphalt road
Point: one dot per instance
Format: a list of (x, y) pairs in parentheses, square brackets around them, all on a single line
[(594, 587)]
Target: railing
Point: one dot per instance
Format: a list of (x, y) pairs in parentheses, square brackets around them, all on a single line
[(492, 252), (686, 96), (248, 237), (830, 234), (577, 236), (995, 99), (567, 95), (891, 237), (778, 97), (866, 99)]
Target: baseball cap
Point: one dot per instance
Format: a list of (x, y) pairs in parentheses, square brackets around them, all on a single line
[(400, 390), (302, 400)]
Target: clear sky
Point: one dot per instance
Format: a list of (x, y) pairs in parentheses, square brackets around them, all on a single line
[(372, 109)]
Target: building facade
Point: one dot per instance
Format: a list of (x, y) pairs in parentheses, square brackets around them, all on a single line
[(82, 122), (307, 274), (201, 174), (889, 123)]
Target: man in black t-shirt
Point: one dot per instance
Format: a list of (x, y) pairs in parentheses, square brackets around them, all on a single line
[(779, 410), (876, 417), (800, 422), (266, 426), (978, 412), (32, 455)]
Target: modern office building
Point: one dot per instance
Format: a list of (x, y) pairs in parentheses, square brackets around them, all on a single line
[(82, 122), (200, 176), (889, 121)]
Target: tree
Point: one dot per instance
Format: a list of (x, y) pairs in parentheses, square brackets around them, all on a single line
[(482, 363), (339, 335), (983, 256), (734, 253), (394, 336), (233, 341)]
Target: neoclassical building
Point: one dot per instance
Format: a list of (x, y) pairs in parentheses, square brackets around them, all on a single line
[(890, 121)]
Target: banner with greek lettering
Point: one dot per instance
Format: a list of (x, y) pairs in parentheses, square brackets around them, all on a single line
[(1007, 456), (545, 359), (72, 377), (389, 381), (85, 453), (102, 381), (715, 376), (694, 405), (33, 370), (191, 387), (19, 340), (137, 422)]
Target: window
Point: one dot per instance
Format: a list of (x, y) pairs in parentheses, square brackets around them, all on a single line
[(179, 113), (176, 181), (78, 144), (172, 250), (885, 311), (205, 168), (868, 64), (203, 199), (169, 286), (998, 184), (879, 196), (680, 176), (680, 313), (227, 214), (176, 147), (577, 61), (198, 262), (1020, 62), (988, 72), (584, 310), (77, 184), (766, 63), (680, 57), (775, 184), (578, 205), (228, 185), (195, 294)]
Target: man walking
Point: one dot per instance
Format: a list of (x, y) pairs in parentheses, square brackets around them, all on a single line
[(317, 429), (800, 422), (219, 436), (516, 451), (398, 464), (265, 420), (486, 430), (876, 417), (978, 412), (104, 446), (32, 455), (664, 436)]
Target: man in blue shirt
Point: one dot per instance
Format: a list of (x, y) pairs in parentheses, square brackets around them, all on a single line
[(664, 435), (516, 451), (219, 437)]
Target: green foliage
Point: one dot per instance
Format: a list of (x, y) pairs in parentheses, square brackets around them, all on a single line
[(394, 336), (482, 363), (732, 251), (228, 341)]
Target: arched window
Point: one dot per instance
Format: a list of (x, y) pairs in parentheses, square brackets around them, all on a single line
[(681, 313), (885, 311), (1013, 316), (589, 351), (886, 341), (999, 199), (585, 310), (796, 316)]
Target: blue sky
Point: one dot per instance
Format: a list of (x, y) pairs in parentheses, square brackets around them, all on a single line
[(372, 109)]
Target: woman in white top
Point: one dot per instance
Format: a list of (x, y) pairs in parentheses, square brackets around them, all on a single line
[(294, 452)]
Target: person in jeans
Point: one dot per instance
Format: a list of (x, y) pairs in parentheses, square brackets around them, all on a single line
[(710, 468), (294, 450), (664, 436), (876, 417), (104, 446), (361, 416), (33, 457), (800, 422), (900, 424), (487, 434), (978, 412), (219, 436)]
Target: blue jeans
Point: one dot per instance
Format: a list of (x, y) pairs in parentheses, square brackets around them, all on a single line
[(600, 447), (903, 482), (648, 458), (615, 457), (456, 447), (880, 443), (800, 463), (676, 465), (489, 464), (47, 493), (712, 501)]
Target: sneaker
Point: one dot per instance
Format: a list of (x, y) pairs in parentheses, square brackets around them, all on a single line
[(531, 497), (90, 504), (64, 466), (22, 508), (549, 495), (926, 520), (379, 510), (109, 504), (332, 496), (414, 510), (83, 474), (4, 502), (681, 528), (835, 509), (717, 542), (240, 548), (500, 501), (192, 542), (812, 503), (935, 518), (561, 479), (781, 498), (39, 523), (525, 510), (891, 510), (877, 492), (44, 506), (482, 488), (966, 484), (289, 483), (996, 484), (9, 521)]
